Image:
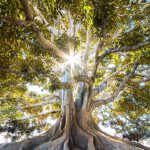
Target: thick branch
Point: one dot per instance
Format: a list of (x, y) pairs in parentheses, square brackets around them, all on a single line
[(113, 50), (44, 42), (26, 9), (122, 49), (98, 46), (16, 22), (87, 46), (47, 44)]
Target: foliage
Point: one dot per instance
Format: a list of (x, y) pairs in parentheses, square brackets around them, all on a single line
[(130, 114)]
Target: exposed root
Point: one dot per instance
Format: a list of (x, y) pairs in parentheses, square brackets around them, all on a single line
[(57, 144), (91, 145), (117, 141), (76, 137), (59, 141), (31, 143)]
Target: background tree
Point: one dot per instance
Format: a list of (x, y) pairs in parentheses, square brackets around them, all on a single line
[(87, 54)]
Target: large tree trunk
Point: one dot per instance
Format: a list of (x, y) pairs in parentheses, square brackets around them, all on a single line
[(74, 130)]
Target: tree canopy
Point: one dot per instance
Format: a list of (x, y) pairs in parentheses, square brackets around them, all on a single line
[(99, 50)]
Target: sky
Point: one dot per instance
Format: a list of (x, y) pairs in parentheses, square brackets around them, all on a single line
[(37, 89)]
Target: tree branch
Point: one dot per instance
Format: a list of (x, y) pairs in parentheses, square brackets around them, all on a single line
[(52, 29), (135, 4), (44, 42), (26, 9), (99, 45), (33, 105), (143, 69), (38, 115), (41, 104), (29, 22), (83, 78), (97, 103), (87, 46), (122, 49), (103, 85), (18, 98), (16, 22), (131, 15), (47, 44), (143, 76)]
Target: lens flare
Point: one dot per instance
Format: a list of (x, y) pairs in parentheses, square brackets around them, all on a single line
[(73, 59)]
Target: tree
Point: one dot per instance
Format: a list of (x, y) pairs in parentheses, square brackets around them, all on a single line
[(102, 45)]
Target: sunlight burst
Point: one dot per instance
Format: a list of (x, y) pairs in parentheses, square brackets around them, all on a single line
[(73, 59)]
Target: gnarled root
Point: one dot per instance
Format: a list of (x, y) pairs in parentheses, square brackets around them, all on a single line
[(74, 137)]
